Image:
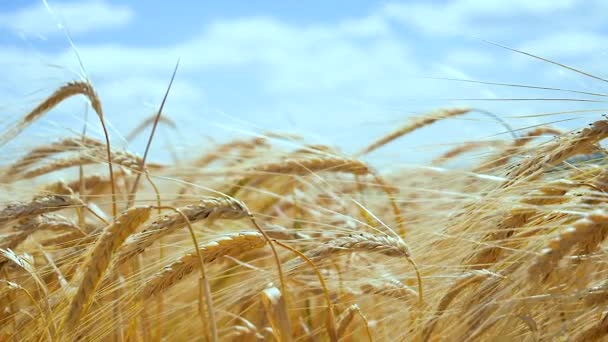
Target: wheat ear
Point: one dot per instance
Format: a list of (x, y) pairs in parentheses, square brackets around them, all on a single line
[(278, 316), (124, 159), (147, 122), (556, 153), (39, 205), (27, 226), (587, 232), (515, 146), (98, 260), (466, 147), (230, 244), (43, 152), (364, 242), (392, 288), (208, 208), (419, 123)]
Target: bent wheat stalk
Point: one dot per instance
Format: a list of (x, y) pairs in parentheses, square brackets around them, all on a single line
[(330, 320)]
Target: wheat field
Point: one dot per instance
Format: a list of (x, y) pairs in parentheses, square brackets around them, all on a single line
[(271, 238)]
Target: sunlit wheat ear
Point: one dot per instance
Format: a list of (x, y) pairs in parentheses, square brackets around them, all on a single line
[(512, 149), (364, 242), (98, 260), (464, 148), (64, 92), (224, 149), (40, 153), (229, 244), (67, 91), (125, 159), (306, 166), (493, 242), (16, 287), (39, 205), (346, 318), (208, 208), (556, 153), (92, 184), (276, 312), (588, 233), (425, 120), (392, 288), (44, 305), (29, 225)]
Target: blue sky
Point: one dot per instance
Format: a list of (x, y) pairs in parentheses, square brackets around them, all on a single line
[(339, 72)]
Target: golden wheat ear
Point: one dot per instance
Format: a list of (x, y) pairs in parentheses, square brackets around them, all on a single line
[(425, 120), (98, 261), (68, 90)]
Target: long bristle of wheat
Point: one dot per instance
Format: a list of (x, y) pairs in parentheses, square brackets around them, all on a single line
[(208, 208), (230, 244), (425, 120), (98, 260)]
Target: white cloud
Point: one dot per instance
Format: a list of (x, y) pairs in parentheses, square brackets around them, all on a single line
[(80, 17), (474, 17)]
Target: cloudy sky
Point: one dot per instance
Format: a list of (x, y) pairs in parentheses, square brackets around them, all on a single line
[(337, 72)]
